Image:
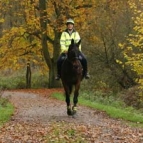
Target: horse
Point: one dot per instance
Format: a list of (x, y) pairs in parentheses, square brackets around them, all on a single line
[(72, 75)]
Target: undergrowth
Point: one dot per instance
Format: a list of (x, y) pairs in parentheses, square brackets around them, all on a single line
[(18, 81)]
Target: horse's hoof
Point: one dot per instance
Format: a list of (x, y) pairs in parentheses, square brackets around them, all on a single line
[(74, 110), (69, 111)]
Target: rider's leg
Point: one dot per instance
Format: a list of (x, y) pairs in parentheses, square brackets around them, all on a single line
[(59, 65), (84, 64)]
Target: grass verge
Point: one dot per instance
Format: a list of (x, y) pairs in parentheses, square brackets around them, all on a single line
[(17, 80), (6, 111), (127, 114)]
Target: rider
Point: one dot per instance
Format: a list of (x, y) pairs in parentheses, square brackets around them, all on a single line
[(65, 41)]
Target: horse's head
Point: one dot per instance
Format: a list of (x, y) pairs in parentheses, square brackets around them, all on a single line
[(73, 51)]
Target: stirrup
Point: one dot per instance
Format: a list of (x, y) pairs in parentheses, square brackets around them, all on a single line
[(57, 77), (87, 76)]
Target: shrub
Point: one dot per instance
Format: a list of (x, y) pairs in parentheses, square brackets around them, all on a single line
[(133, 98)]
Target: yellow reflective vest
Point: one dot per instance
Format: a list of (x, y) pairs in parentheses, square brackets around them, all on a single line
[(66, 38)]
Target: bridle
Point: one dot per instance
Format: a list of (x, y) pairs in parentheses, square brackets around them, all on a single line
[(75, 57), (74, 61)]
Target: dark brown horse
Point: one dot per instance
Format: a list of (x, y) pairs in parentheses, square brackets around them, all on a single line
[(71, 75)]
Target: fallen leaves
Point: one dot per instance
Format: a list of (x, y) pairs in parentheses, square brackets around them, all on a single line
[(63, 132), (22, 132), (42, 92), (27, 128)]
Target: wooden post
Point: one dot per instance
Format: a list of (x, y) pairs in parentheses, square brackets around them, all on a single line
[(28, 76)]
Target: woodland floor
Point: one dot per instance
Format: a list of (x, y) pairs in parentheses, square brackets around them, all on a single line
[(39, 118)]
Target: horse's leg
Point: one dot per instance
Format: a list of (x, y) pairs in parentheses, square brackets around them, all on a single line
[(67, 93), (75, 99), (69, 111)]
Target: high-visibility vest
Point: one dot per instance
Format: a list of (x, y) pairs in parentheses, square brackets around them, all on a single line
[(66, 38)]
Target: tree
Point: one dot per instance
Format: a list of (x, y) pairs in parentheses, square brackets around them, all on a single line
[(133, 48), (32, 32), (109, 25), (42, 24)]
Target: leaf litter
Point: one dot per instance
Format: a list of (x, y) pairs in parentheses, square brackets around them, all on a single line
[(41, 119)]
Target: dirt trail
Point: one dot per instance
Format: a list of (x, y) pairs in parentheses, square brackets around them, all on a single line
[(35, 108), (35, 112)]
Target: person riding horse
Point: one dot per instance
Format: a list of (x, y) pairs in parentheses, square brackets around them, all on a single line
[(65, 40)]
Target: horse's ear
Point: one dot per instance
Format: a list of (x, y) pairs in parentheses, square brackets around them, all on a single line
[(79, 42), (72, 42)]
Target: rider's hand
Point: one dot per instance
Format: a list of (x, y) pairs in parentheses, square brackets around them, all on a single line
[(65, 52)]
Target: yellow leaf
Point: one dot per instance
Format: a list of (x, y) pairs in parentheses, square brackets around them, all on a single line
[(1, 20)]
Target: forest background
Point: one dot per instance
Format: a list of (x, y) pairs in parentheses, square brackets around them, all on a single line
[(111, 33)]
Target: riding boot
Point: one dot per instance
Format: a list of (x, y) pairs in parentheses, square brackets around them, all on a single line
[(58, 76), (60, 61), (58, 69), (84, 65), (86, 74), (83, 61)]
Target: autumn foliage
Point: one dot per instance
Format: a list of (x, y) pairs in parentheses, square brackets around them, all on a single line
[(30, 31)]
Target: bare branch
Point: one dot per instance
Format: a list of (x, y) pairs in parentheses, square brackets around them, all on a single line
[(84, 6)]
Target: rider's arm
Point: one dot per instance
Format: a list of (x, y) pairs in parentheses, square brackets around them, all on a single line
[(63, 43), (77, 38)]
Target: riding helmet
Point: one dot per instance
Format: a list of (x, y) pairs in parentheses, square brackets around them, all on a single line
[(70, 21)]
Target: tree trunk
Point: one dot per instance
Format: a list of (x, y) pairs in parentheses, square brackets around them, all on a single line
[(53, 71), (51, 63), (43, 24)]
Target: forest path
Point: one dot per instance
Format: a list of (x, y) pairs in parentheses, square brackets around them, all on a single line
[(38, 116)]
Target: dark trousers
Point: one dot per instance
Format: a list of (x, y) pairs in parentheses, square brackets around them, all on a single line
[(63, 56)]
